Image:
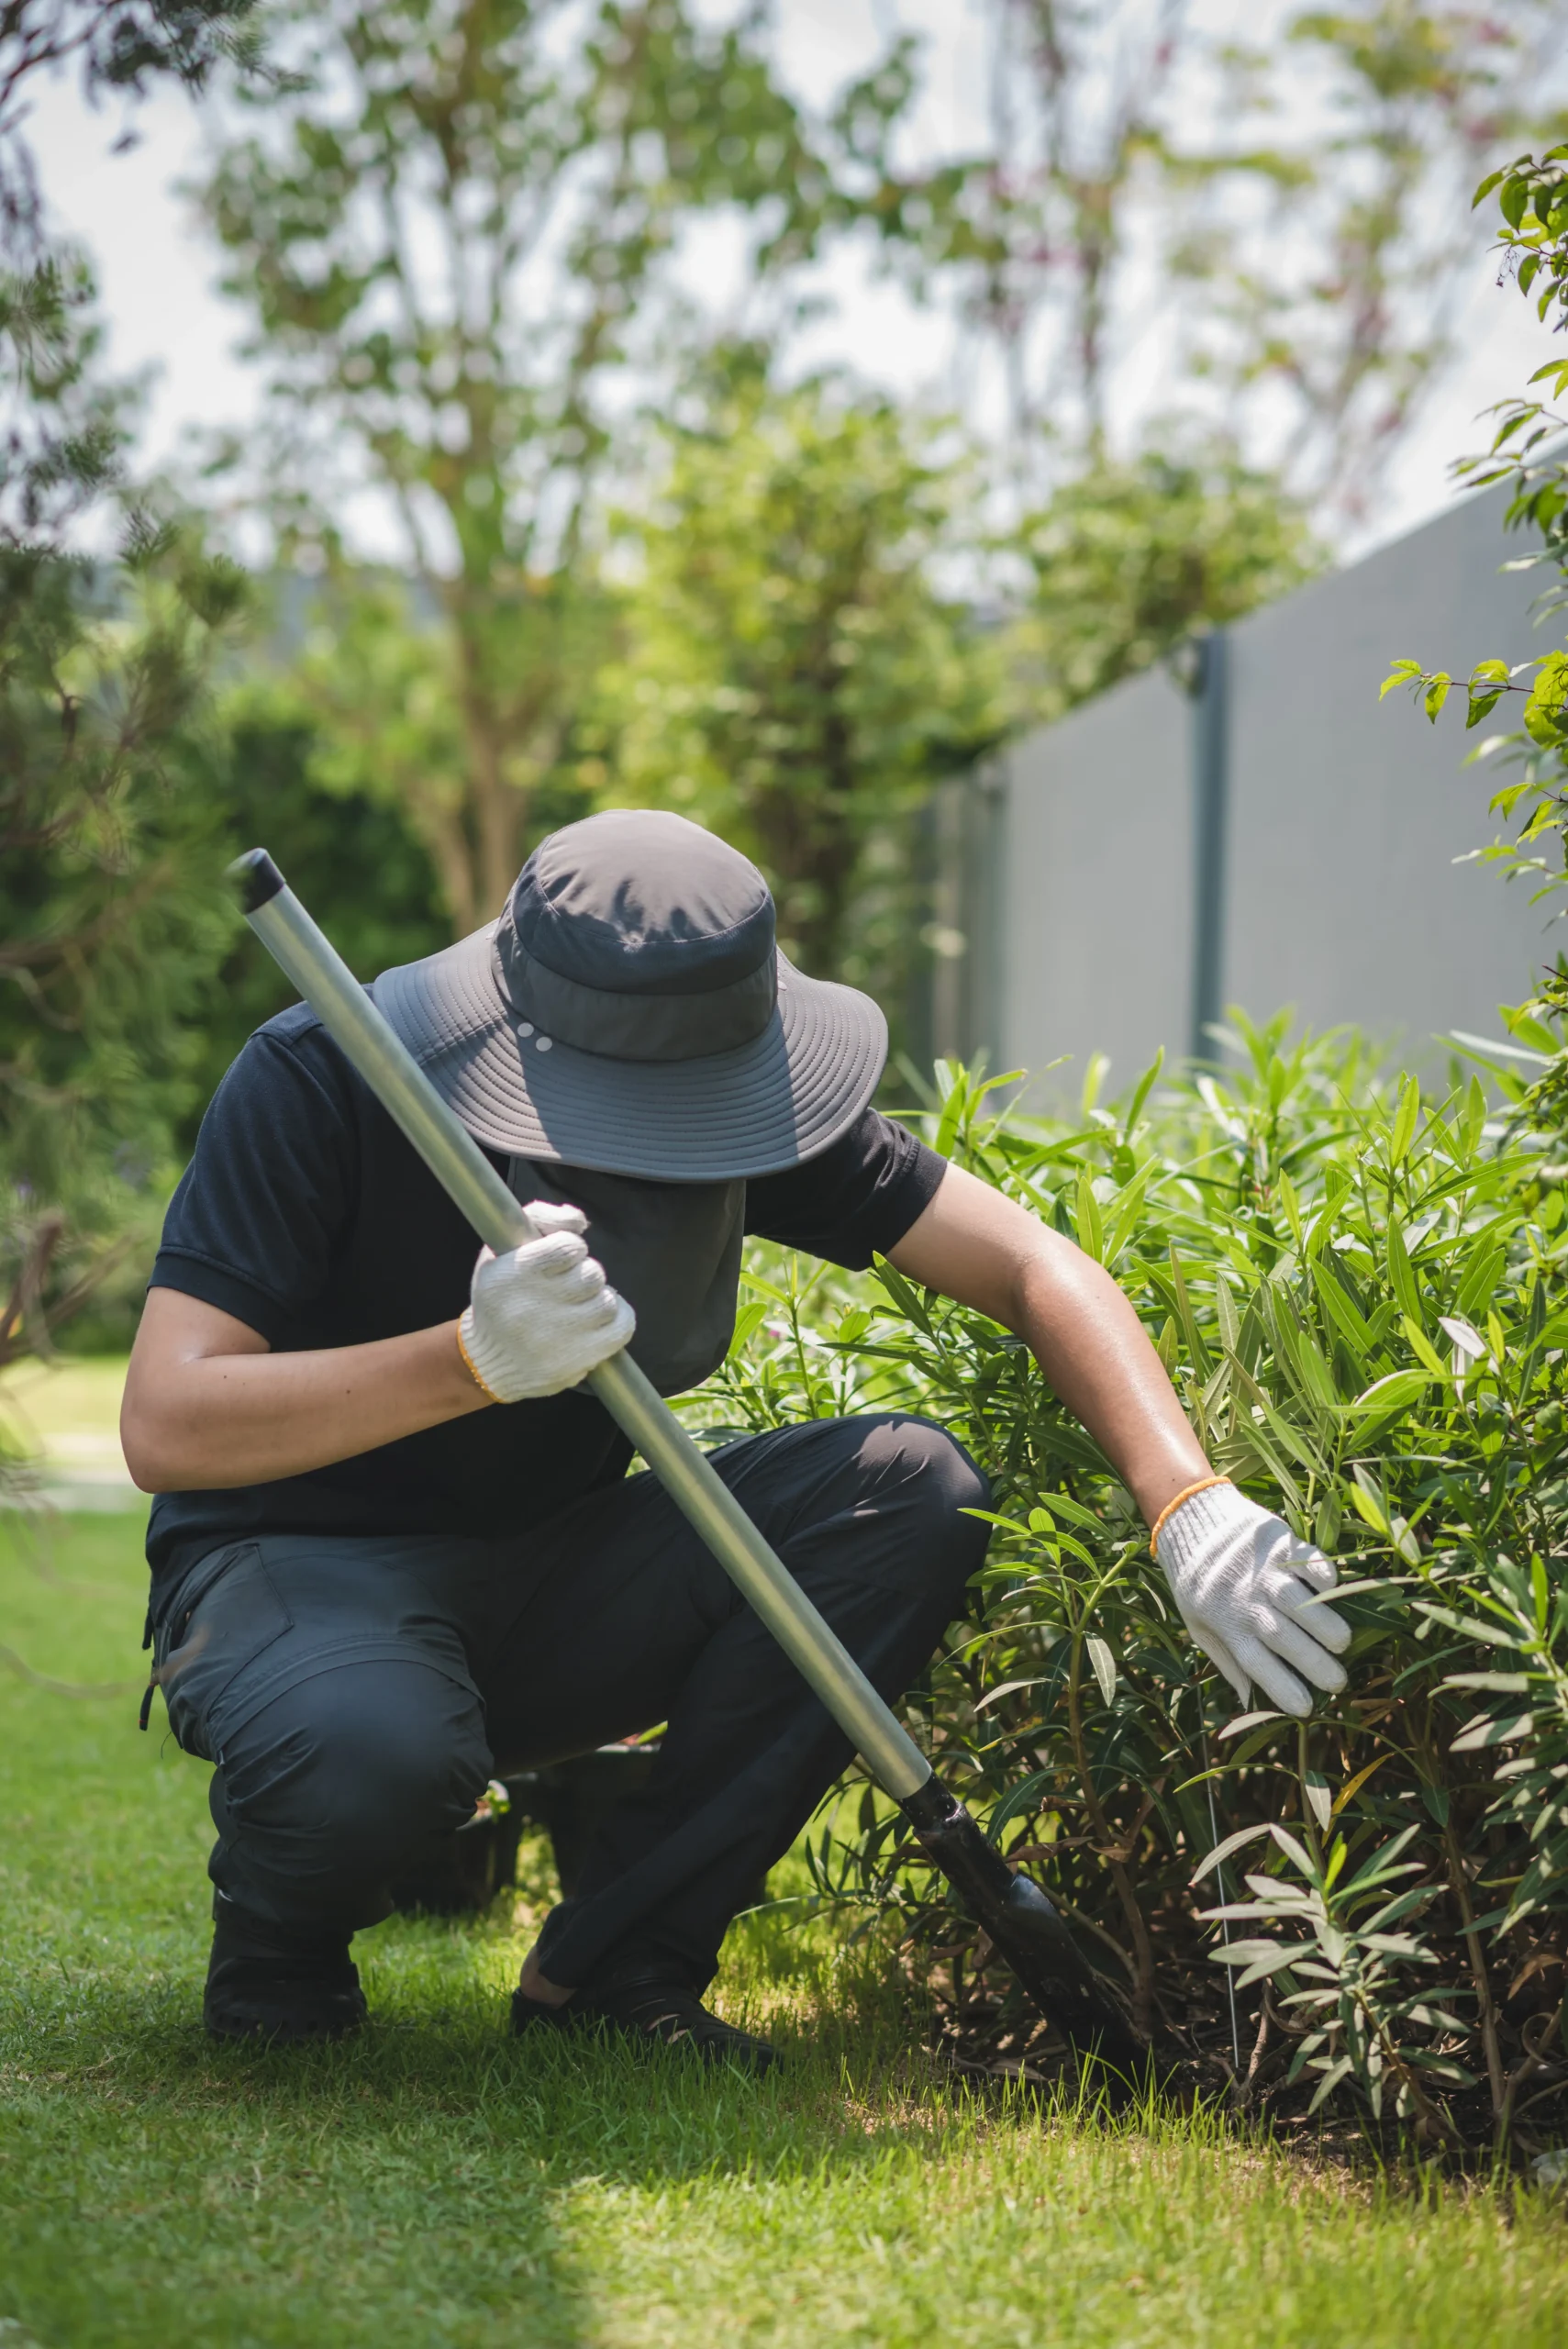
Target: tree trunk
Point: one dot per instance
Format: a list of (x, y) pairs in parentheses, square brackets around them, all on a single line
[(500, 813), (806, 826), (441, 830)]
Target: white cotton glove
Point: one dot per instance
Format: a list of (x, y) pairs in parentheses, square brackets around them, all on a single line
[(543, 1316), (1242, 1582)]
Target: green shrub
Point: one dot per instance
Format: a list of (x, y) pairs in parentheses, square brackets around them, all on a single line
[(1359, 1298)]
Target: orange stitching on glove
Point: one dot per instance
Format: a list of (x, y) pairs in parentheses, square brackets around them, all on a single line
[(1204, 1485), (468, 1365)]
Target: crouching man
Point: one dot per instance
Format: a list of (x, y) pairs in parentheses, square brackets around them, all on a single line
[(394, 1545)]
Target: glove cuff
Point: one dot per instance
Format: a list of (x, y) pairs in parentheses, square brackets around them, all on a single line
[(1187, 1493), (465, 1331)]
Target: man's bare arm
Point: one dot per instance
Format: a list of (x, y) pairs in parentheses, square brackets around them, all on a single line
[(208, 1405), (985, 1250)]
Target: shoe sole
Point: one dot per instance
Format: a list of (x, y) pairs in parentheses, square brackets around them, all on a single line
[(280, 2033)]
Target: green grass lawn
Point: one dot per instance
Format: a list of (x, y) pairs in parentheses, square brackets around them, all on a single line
[(65, 1416), (434, 2183)]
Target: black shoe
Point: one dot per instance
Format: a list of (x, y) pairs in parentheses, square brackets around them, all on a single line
[(261, 1986), (643, 2007)]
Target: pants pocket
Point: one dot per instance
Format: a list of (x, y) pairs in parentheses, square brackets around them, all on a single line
[(228, 1614)]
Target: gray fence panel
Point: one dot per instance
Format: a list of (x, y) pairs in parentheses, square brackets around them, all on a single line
[(1346, 817), (1096, 888), (1343, 819)]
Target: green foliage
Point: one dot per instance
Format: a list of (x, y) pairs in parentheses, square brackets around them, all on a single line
[(115, 47), (132, 985), (1127, 560), (107, 908), (260, 774), (1358, 1295), (1533, 200), (108, 928), (453, 231), (376, 685), (791, 677), (105, 931), (99, 851)]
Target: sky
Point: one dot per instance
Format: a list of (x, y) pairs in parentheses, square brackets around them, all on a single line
[(157, 271)]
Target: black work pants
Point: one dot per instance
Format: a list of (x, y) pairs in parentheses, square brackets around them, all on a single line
[(356, 1692)]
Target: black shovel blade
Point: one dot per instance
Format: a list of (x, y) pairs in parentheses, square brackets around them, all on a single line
[(1029, 1930)]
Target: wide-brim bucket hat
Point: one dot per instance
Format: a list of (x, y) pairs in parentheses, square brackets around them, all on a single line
[(630, 1012)]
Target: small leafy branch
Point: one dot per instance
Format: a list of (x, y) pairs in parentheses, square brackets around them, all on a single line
[(1533, 200), (1346, 1974), (1540, 747), (1529, 451)]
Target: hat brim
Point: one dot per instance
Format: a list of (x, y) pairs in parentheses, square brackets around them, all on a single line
[(753, 1111)]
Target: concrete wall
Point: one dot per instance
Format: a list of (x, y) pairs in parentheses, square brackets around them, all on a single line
[(1341, 819)]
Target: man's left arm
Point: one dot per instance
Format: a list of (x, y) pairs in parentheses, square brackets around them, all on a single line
[(984, 1250), (1249, 1592)]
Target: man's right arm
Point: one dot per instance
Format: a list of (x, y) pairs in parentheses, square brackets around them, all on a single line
[(209, 1405), (219, 1394)]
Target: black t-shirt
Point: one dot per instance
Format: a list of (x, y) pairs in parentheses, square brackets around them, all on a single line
[(307, 1215)]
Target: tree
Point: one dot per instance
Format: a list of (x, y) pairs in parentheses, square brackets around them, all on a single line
[(109, 918), (1286, 216), (1354, 333), (451, 232), (791, 675), (116, 46), (1129, 561), (107, 923)]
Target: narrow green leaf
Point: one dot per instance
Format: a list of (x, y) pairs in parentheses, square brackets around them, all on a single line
[(1225, 1312), (1400, 1273), (1222, 1851), (1297, 1853), (1142, 1091), (1483, 1733), (1104, 1663), (1422, 1347), (1196, 1350), (1086, 1218), (1341, 1309)]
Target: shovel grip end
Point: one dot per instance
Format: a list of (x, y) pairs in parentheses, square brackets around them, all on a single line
[(259, 878)]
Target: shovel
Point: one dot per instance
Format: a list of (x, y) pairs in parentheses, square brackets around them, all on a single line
[(1025, 1926)]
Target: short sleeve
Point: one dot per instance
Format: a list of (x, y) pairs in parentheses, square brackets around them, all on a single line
[(254, 1226), (856, 1201)]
